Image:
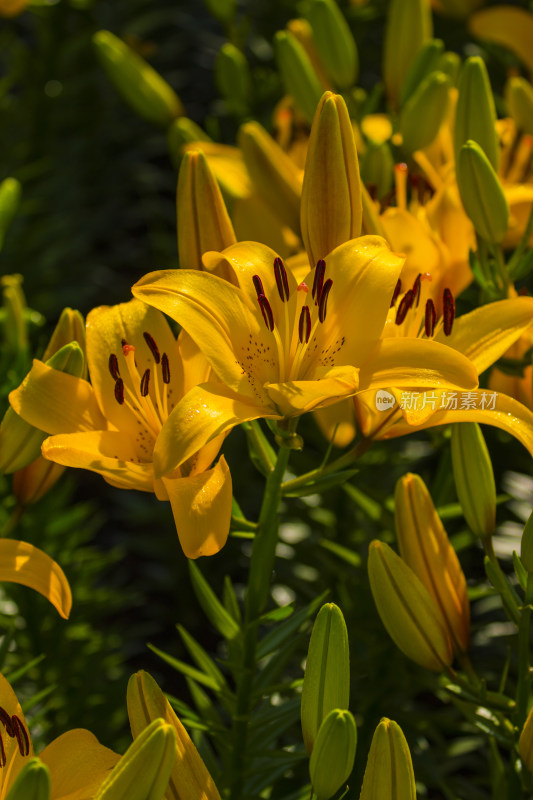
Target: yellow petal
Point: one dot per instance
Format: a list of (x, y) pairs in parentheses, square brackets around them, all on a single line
[(201, 505), (78, 764), (509, 26), (56, 402), (23, 563), (109, 453), (14, 758), (407, 234), (297, 397), (228, 167), (254, 220), (337, 422), (192, 367)]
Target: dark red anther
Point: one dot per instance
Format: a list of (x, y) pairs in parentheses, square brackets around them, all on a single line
[(304, 325), (119, 391), (258, 285), (123, 342), (3, 759), (165, 366), (405, 305), (397, 290), (323, 305), (431, 318), (416, 289), (5, 718), (448, 311), (282, 281), (113, 366), (145, 383), (266, 311), (318, 281), (154, 349), (20, 734)]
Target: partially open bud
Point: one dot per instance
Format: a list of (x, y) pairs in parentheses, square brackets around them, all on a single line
[(144, 770), (475, 114), (424, 112), (145, 91), (297, 73), (202, 217), (327, 672), (409, 27), (526, 547), (232, 75), (407, 610), (32, 782), (481, 193), (389, 770), (333, 755), (424, 64), (519, 97), (425, 547), (377, 168), (70, 328), (474, 478), (331, 208), (275, 176), (334, 42), (10, 191)]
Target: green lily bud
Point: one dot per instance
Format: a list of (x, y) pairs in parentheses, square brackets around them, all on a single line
[(223, 10), (333, 755), (327, 672), (232, 75), (70, 328), (407, 610), (273, 173), (297, 73), (424, 112), (145, 91), (389, 769), (519, 97), (526, 547), (409, 26), (481, 193), (525, 742), (423, 65), (377, 167), (10, 191), (475, 114), (334, 42), (144, 770), (450, 64), (474, 478), (32, 782), (14, 307)]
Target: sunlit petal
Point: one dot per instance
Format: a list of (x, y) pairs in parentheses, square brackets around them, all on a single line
[(23, 563), (293, 398), (78, 765)]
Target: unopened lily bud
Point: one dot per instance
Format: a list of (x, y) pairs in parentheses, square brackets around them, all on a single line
[(424, 112), (327, 672), (408, 612), (189, 779), (232, 75), (525, 742), (475, 114), (273, 173), (144, 770), (202, 217), (223, 10), (409, 26), (331, 208), (14, 307), (334, 42), (481, 193), (526, 547), (424, 64), (450, 64), (70, 328), (425, 547), (181, 132), (297, 73), (10, 191), (474, 478), (519, 97), (145, 91), (377, 168), (389, 769), (34, 481), (333, 755), (32, 782)]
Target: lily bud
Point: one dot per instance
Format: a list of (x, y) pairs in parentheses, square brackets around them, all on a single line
[(32, 782), (14, 307), (144, 770), (181, 132), (34, 481), (389, 769), (332, 758), (424, 64), (450, 64), (331, 207), (70, 328), (223, 10), (525, 742), (409, 26), (232, 75), (425, 547), (526, 547), (297, 73), (202, 217), (334, 42), (424, 112), (273, 173), (10, 191), (327, 672), (377, 167), (408, 612), (481, 193), (143, 89), (475, 114), (189, 779), (519, 97), (474, 478)]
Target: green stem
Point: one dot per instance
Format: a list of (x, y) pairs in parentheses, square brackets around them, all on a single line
[(261, 452), (335, 466), (509, 598), (524, 673)]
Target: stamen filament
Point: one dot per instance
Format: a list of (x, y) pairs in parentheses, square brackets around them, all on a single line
[(151, 415)]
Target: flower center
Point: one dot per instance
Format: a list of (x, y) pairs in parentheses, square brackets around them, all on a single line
[(419, 320), (15, 730)]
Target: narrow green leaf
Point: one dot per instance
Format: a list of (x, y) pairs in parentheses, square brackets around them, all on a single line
[(349, 556), (185, 669), (201, 658), (230, 600), (279, 635), (213, 608)]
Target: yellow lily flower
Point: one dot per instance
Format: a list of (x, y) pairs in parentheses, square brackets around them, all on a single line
[(21, 562), (139, 372), (78, 763), (281, 348)]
